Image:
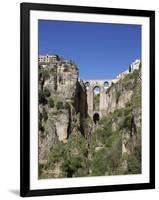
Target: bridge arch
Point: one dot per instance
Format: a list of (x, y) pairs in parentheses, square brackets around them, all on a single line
[(96, 117), (96, 89), (106, 85)]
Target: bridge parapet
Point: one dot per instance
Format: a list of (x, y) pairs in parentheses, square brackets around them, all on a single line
[(101, 84)]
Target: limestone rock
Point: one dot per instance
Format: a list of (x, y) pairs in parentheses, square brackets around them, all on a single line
[(62, 97)]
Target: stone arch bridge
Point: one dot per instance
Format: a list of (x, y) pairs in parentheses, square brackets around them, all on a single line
[(102, 86)]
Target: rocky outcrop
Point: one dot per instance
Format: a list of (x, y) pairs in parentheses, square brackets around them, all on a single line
[(70, 143), (126, 94), (118, 95), (61, 98)]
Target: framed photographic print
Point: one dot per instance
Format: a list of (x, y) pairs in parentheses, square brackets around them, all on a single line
[(87, 99)]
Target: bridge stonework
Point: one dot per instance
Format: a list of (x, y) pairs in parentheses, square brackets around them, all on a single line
[(103, 85)]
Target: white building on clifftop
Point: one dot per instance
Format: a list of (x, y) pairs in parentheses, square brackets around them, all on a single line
[(133, 66), (48, 58)]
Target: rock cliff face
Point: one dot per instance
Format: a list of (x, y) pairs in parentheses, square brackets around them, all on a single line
[(115, 146), (126, 94), (61, 98), (70, 143)]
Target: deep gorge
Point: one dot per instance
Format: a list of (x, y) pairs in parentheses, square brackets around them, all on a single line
[(71, 143)]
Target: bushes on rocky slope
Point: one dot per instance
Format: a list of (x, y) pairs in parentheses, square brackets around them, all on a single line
[(71, 158), (121, 127), (95, 150), (106, 147)]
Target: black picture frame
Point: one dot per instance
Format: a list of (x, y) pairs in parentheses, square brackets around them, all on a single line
[(25, 9)]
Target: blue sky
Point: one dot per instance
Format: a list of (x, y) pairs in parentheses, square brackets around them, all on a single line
[(100, 50)]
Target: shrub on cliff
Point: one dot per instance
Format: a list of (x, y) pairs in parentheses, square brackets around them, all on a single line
[(134, 160), (51, 103), (107, 159), (45, 74), (42, 98), (72, 157), (46, 92), (99, 163), (59, 105), (75, 161)]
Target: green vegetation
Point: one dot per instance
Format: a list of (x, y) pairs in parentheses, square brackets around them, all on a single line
[(72, 157), (46, 92), (45, 114), (44, 73), (94, 150), (60, 105), (66, 68), (51, 102), (134, 165), (106, 146), (103, 156), (134, 160), (109, 158), (42, 98)]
